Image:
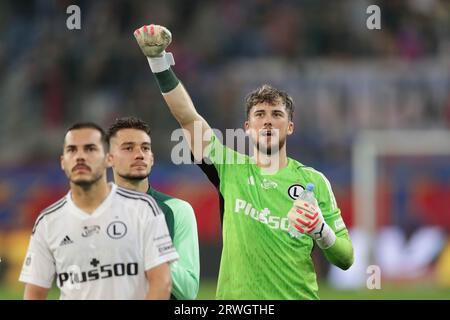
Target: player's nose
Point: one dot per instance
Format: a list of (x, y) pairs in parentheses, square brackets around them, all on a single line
[(139, 154), (80, 157), (268, 124)]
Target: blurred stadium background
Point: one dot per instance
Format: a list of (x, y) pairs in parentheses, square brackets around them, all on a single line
[(344, 78)]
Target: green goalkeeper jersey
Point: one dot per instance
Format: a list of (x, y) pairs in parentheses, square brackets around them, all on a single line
[(182, 226), (260, 260)]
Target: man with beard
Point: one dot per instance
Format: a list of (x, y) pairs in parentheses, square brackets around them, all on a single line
[(100, 241), (260, 258), (132, 160)]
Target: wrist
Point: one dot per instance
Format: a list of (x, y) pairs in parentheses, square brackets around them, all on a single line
[(167, 80), (326, 238), (162, 63)]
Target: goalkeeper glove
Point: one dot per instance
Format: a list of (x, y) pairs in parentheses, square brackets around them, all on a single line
[(153, 41), (307, 218)]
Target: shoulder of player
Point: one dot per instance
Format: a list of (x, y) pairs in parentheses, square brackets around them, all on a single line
[(312, 173), (159, 196), (171, 201), (54, 208), (134, 196), (180, 207), (226, 154), (322, 184), (177, 205)]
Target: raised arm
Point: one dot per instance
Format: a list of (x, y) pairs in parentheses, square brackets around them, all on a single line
[(153, 40)]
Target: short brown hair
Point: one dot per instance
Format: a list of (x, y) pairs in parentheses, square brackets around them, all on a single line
[(268, 94), (91, 125), (127, 123)]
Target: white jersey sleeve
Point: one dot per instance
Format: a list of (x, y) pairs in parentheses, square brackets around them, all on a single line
[(158, 246), (39, 266)]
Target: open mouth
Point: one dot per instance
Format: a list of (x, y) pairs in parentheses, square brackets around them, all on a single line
[(267, 133)]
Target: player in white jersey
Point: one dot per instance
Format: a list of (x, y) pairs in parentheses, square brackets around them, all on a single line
[(99, 241)]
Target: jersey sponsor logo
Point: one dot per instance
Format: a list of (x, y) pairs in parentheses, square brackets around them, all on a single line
[(116, 230), (65, 241), (294, 191), (75, 276), (90, 230), (165, 247), (267, 184), (264, 216)]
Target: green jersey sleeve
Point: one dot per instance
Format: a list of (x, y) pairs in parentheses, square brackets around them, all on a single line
[(186, 271), (182, 226)]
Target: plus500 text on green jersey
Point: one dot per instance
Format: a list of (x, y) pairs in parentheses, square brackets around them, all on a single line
[(260, 260)]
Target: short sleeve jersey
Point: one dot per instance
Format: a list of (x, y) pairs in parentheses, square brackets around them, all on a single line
[(103, 255)]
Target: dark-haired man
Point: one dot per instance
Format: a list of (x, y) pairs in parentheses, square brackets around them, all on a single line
[(261, 259), (100, 241), (132, 160)]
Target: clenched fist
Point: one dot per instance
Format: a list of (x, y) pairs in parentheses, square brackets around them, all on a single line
[(153, 39)]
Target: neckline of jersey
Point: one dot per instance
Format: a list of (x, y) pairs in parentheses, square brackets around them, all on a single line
[(279, 172), (97, 212)]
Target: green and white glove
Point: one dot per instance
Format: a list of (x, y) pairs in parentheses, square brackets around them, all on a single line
[(153, 40)]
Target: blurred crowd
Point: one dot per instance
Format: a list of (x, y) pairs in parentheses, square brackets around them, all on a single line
[(343, 77)]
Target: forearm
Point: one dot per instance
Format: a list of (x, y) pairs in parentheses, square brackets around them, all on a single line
[(159, 290), (159, 282), (183, 110), (33, 292), (185, 282), (341, 252), (178, 100)]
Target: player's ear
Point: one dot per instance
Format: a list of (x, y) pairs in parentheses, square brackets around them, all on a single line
[(152, 158), (290, 128), (247, 127), (109, 160), (61, 161)]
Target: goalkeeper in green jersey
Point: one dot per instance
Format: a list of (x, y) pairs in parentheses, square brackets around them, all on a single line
[(132, 159), (260, 258)]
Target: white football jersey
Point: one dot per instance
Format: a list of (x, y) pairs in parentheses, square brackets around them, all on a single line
[(103, 255)]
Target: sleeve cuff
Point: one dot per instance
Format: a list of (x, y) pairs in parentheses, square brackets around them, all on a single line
[(36, 282), (328, 237), (169, 258)]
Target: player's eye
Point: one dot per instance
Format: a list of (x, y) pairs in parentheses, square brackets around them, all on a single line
[(277, 114), (146, 149)]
